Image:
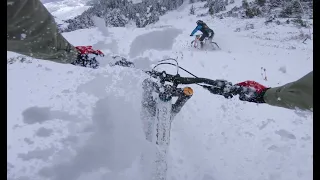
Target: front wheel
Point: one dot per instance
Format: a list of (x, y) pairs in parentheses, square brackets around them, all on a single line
[(194, 44)]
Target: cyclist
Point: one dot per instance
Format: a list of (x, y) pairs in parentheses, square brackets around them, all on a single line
[(206, 31), (32, 31)]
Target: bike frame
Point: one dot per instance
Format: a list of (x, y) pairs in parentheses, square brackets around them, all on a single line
[(196, 41)]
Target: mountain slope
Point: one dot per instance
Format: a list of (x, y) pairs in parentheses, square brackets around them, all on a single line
[(67, 122)]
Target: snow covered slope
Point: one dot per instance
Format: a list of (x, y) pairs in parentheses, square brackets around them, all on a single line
[(73, 123), (63, 10)]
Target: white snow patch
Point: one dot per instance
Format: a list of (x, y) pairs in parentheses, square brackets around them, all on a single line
[(157, 40), (101, 25), (136, 1), (23, 36), (283, 69)]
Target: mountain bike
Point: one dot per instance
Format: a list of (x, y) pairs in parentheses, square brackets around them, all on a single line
[(206, 43), (159, 110)]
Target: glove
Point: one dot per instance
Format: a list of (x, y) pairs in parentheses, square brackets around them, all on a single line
[(252, 91), (87, 57), (191, 35)]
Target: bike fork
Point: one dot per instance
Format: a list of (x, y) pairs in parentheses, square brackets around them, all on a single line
[(160, 113)]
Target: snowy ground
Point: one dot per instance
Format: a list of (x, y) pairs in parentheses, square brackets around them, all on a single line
[(63, 10), (68, 123)]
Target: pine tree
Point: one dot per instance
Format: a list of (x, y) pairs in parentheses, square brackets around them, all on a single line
[(296, 8), (116, 18), (192, 10), (275, 3), (211, 10), (286, 12), (219, 5), (245, 4), (261, 2)]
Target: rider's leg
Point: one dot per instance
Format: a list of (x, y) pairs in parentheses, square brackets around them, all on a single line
[(204, 35), (211, 36)]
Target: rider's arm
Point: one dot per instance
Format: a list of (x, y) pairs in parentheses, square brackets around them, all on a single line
[(196, 29), (297, 94), (32, 31)]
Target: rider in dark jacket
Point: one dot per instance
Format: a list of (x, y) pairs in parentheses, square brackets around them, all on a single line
[(206, 31)]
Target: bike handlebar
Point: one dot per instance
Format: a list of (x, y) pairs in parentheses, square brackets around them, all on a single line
[(220, 87)]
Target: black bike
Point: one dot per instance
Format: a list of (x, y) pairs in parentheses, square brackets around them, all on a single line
[(159, 110), (206, 43)]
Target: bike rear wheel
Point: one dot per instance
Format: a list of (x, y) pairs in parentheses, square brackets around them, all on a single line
[(214, 46)]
